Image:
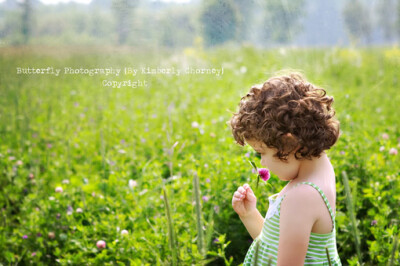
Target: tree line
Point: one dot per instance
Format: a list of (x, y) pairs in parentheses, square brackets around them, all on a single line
[(159, 24)]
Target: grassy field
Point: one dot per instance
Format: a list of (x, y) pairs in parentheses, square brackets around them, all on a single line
[(82, 162)]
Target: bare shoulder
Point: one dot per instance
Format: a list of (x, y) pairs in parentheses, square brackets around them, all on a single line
[(302, 199), (302, 192)]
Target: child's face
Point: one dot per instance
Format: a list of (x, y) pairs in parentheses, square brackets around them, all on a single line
[(286, 171)]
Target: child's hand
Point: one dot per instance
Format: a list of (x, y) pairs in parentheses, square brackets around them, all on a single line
[(244, 201)]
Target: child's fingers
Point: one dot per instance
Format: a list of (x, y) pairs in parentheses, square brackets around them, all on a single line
[(247, 188), (242, 190), (250, 191), (236, 200), (238, 195)]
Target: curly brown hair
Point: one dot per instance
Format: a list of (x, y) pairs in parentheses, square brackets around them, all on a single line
[(287, 104)]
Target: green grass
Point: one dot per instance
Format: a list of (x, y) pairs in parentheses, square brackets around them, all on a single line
[(98, 138)]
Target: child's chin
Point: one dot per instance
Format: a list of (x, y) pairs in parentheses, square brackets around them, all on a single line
[(284, 178)]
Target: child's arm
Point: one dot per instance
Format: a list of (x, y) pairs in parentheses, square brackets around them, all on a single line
[(253, 223), (244, 203)]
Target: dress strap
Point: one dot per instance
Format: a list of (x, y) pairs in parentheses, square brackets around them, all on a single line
[(323, 196)]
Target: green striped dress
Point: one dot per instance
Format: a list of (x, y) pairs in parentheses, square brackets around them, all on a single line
[(264, 249)]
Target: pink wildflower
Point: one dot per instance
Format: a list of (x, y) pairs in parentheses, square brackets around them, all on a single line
[(264, 173), (101, 244), (205, 198), (393, 151)]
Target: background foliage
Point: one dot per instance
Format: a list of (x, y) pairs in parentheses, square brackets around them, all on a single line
[(114, 150)]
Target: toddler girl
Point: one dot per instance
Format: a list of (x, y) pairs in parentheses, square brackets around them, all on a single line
[(290, 123)]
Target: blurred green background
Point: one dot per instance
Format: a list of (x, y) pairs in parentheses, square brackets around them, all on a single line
[(82, 162)]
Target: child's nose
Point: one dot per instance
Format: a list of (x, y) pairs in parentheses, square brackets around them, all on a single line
[(264, 162)]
